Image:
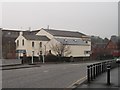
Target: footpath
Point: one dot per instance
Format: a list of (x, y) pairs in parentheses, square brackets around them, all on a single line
[(101, 81), (19, 66), (36, 64)]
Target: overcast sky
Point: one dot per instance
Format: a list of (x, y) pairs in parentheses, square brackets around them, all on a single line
[(91, 18)]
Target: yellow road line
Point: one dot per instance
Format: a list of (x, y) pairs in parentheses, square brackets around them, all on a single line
[(77, 82)]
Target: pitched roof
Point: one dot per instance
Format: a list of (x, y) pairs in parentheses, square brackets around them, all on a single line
[(71, 41), (100, 45), (30, 32), (36, 37), (10, 33), (64, 33), (115, 39)]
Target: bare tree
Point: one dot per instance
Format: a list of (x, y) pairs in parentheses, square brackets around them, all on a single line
[(60, 49)]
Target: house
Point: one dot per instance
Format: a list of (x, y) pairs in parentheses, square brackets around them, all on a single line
[(79, 43), (98, 47), (8, 43), (113, 46), (30, 44), (40, 43)]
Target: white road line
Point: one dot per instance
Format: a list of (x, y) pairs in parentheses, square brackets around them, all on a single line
[(77, 82)]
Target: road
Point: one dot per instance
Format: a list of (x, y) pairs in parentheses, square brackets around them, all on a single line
[(46, 76)]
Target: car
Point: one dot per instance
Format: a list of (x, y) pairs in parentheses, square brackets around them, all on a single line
[(118, 60)]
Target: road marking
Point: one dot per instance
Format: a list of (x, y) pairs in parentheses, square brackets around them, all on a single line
[(77, 82)]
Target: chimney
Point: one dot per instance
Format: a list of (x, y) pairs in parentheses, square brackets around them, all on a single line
[(29, 29), (21, 33), (48, 27)]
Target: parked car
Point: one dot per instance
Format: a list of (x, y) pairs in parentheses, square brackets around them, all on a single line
[(118, 60)]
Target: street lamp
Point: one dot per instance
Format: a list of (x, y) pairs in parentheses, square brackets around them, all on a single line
[(32, 56)]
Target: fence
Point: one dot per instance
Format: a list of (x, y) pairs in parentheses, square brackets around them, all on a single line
[(96, 69)]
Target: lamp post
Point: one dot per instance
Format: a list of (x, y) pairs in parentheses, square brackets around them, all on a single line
[(32, 56)]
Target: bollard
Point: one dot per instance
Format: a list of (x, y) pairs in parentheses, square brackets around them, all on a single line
[(108, 74), (91, 72), (97, 69), (102, 67), (94, 66), (105, 68), (88, 73)]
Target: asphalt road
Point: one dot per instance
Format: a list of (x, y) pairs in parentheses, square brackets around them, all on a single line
[(46, 76)]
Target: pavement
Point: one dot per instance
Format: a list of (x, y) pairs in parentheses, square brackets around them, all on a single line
[(36, 64), (19, 66), (101, 81)]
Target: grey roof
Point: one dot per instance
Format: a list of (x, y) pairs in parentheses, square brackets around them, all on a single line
[(100, 45), (30, 32), (71, 41), (64, 33), (10, 33), (36, 37), (115, 39), (15, 33)]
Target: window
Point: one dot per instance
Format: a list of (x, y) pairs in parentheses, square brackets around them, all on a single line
[(23, 42), (86, 52), (32, 44), (86, 41), (40, 52), (40, 44), (17, 42)]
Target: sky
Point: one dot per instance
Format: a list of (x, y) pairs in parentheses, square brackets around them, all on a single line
[(91, 18)]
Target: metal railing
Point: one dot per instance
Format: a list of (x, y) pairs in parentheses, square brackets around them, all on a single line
[(96, 69)]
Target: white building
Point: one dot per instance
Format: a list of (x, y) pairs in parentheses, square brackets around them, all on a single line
[(30, 44), (80, 44)]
